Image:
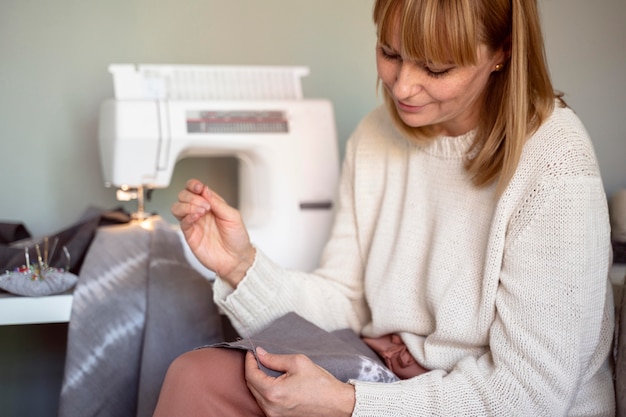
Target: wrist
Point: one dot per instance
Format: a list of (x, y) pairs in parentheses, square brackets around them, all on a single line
[(240, 270), (347, 399)]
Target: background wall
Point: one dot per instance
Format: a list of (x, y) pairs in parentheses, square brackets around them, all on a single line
[(53, 77), (585, 44)]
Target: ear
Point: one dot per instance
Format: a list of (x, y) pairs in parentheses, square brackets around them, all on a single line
[(505, 48), (500, 56)]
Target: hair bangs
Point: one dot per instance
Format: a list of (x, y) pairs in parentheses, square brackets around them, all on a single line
[(434, 31), (385, 16)]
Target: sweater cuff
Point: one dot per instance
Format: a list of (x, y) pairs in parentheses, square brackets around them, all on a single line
[(222, 289), (246, 304), (420, 395), (377, 399)]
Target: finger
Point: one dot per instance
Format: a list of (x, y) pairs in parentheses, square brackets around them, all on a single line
[(196, 193), (195, 186), (280, 363), (220, 207), (254, 375), (187, 201), (198, 188), (187, 222), (192, 211), (251, 363), (201, 199)]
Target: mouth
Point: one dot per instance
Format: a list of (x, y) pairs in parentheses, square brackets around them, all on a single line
[(408, 107)]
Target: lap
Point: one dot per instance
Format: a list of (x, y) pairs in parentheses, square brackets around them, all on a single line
[(207, 382)]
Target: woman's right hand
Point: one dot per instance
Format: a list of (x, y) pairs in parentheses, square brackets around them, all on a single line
[(214, 231)]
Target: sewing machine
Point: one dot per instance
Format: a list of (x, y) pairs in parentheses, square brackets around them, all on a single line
[(286, 146)]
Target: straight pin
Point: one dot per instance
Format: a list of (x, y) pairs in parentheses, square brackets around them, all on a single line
[(45, 250), (54, 247), (67, 255), (27, 257), (39, 258)]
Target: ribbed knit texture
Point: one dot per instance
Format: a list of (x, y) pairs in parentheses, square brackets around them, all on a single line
[(508, 298)]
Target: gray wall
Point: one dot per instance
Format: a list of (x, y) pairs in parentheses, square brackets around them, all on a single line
[(53, 77), (586, 48)]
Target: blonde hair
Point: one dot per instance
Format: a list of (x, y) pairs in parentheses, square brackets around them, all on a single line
[(517, 99)]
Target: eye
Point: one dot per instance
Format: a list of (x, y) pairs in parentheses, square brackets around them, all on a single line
[(389, 54), (436, 72)]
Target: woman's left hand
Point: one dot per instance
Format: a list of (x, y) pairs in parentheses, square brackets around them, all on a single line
[(304, 389)]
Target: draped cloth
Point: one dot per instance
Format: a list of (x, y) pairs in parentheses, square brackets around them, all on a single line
[(76, 238), (138, 305)]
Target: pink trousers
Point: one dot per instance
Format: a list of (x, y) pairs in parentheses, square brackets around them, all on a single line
[(210, 382), (207, 382)]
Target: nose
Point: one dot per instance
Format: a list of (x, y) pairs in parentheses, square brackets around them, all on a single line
[(408, 81)]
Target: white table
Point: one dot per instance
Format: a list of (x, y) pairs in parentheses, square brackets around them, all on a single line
[(34, 310)]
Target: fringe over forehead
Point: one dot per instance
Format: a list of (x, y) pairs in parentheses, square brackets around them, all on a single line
[(436, 31)]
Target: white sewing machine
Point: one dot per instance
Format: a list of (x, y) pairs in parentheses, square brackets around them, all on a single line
[(286, 146)]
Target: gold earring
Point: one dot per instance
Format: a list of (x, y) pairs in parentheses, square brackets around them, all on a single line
[(499, 67)]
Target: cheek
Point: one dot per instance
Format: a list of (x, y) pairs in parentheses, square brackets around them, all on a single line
[(458, 89), (476, 86), (386, 71)]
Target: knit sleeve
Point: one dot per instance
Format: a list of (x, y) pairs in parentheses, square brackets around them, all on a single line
[(332, 296), (550, 335)]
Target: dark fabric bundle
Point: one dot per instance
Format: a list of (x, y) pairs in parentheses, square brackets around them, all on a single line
[(14, 237), (12, 232)]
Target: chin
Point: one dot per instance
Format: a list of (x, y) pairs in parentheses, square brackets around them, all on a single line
[(412, 121)]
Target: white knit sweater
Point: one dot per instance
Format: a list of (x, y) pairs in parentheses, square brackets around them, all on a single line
[(507, 300)]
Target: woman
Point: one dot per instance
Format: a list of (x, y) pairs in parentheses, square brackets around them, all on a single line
[(472, 224)]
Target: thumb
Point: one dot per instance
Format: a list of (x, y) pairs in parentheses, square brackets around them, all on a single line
[(280, 363), (219, 206)]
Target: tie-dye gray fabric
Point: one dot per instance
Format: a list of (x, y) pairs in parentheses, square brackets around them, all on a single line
[(137, 306), (342, 353)]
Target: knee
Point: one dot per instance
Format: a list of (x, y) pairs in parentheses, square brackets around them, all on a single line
[(191, 365), (205, 382), (200, 367)]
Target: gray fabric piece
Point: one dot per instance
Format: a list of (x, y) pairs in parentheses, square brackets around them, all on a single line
[(342, 353), (137, 305), (180, 315)]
